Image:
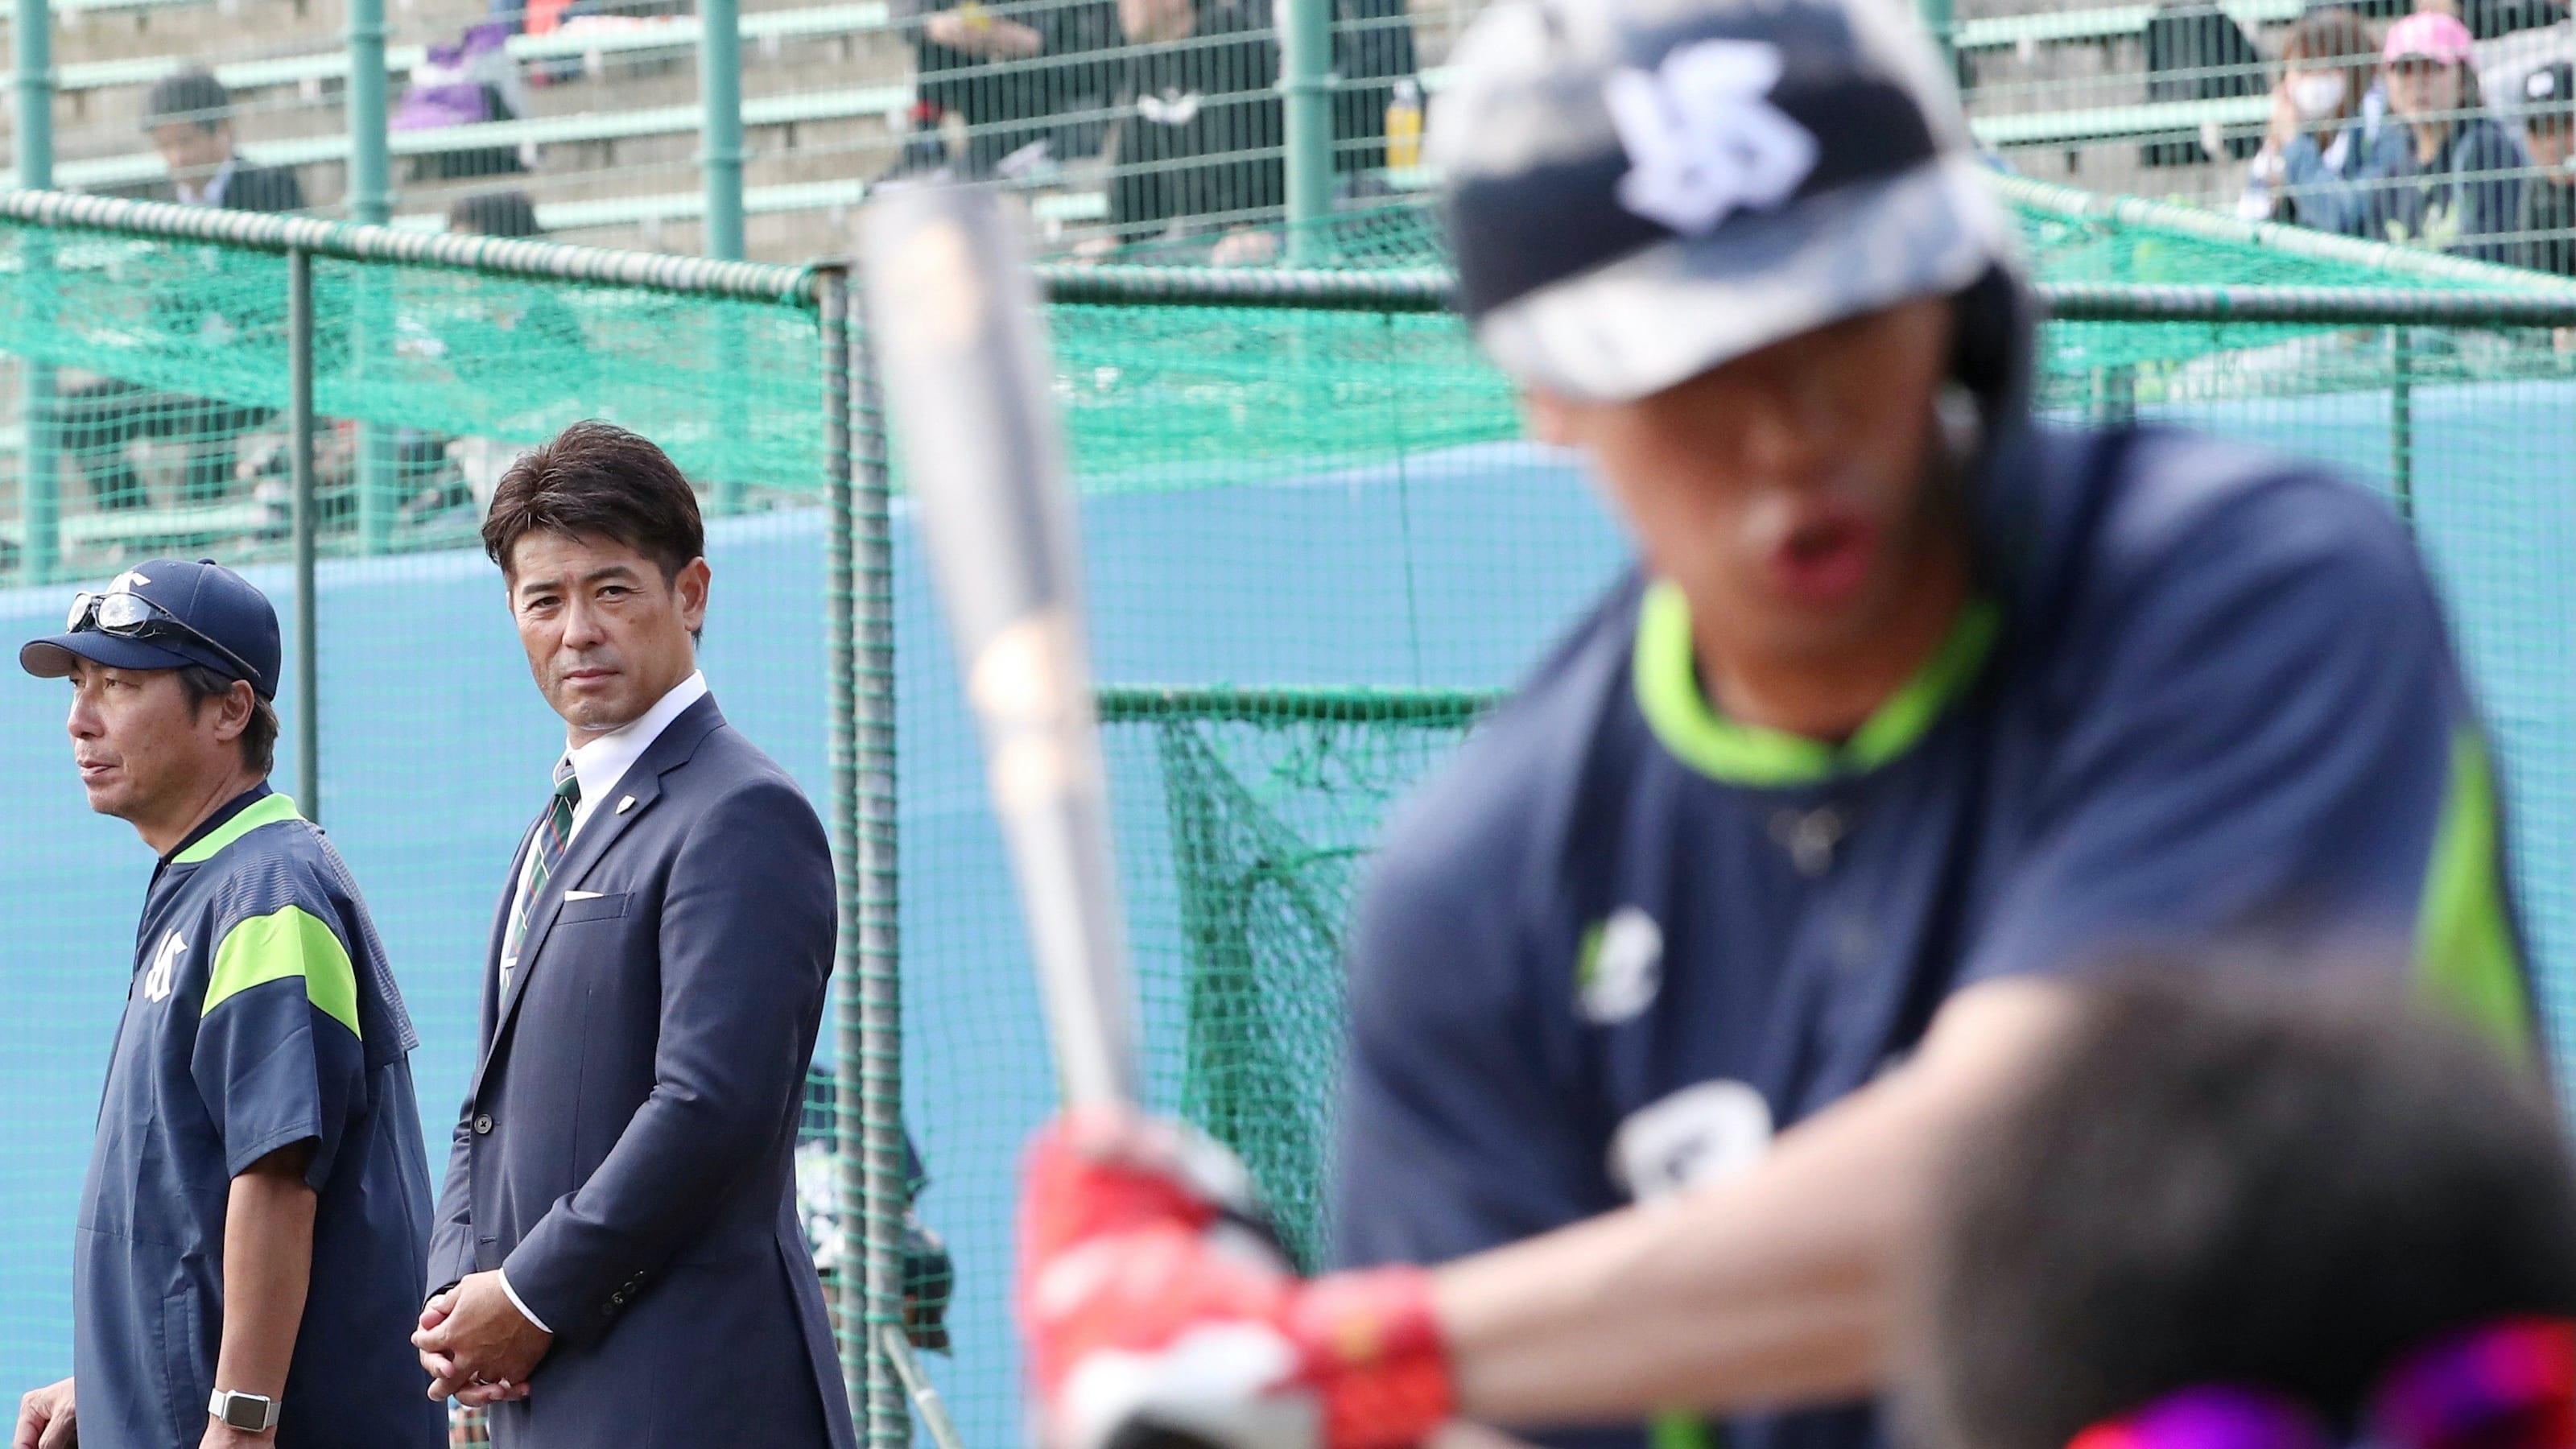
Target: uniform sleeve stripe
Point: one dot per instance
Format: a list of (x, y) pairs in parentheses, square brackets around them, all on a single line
[(288, 942), (2466, 955)]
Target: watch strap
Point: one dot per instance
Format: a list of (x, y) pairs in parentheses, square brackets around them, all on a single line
[(250, 1413)]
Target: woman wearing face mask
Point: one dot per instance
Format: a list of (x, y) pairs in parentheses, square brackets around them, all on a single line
[(2460, 190), (2327, 142)]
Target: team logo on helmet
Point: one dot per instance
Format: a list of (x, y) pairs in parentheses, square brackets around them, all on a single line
[(1702, 136)]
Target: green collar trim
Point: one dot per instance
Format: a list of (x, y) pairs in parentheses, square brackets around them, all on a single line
[(266, 811), (1668, 693)]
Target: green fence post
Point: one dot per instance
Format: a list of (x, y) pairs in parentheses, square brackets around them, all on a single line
[(1940, 19), (371, 181), (2401, 421), (1306, 79), (866, 984), (849, 1114), (371, 201), (720, 126), (39, 477), (879, 997), (299, 432), (720, 161)]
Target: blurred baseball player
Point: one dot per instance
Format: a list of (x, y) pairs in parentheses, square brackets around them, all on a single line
[(1909, 706)]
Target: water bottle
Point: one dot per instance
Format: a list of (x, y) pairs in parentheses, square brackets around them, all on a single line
[(1404, 125)]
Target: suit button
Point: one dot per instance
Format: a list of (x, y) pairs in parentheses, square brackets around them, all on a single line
[(483, 1124)]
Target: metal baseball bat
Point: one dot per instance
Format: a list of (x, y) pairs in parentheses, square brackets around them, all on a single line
[(954, 324)]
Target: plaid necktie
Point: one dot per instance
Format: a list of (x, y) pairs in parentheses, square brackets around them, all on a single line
[(547, 852)]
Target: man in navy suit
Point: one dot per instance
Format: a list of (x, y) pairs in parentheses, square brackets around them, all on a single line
[(617, 1259)]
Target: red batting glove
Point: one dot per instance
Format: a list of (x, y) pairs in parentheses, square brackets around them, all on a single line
[(1149, 1304)]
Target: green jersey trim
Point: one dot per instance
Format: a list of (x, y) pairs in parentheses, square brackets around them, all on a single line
[(2465, 954), (291, 941), (1680, 1429), (267, 811), (1668, 694)]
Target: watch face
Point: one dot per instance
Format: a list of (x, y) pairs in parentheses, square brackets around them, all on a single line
[(247, 1412)]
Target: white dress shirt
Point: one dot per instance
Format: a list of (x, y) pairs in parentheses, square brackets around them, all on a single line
[(212, 192), (599, 765)]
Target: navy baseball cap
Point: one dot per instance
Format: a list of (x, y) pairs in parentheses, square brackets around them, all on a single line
[(189, 613), (2550, 90)]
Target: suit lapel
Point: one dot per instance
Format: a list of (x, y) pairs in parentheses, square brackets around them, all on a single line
[(606, 825)]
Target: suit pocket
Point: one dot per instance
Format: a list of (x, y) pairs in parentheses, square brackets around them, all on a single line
[(590, 908), (186, 1386)]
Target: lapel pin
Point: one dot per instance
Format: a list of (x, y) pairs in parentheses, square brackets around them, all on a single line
[(624, 803)]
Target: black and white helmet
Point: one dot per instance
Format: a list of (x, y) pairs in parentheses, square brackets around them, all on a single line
[(1641, 190)]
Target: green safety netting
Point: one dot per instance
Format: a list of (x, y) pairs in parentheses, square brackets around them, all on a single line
[(1316, 549)]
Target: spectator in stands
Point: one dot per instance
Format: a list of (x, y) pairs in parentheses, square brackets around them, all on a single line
[(519, 330), (495, 213), (1199, 143), (189, 117), (2327, 149), (535, 317), (2460, 189), (1014, 76), (2488, 19), (466, 82), (1200, 146), (2549, 197)]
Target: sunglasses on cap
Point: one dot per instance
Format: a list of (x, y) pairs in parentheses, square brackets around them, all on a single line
[(129, 615)]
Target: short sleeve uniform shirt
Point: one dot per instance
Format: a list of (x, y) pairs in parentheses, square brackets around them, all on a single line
[(2203, 696), (261, 1014)]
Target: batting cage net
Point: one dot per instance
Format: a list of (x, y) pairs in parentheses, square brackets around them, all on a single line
[(1317, 549)]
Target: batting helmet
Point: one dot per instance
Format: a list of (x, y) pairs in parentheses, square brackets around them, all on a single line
[(1641, 190)]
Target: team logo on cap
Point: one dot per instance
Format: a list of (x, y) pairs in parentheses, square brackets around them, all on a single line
[(1703, 139)]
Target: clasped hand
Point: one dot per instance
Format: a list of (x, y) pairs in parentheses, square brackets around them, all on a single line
[(478, 1347)]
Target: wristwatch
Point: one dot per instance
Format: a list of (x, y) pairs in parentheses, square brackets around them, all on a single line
[(250, 1413)]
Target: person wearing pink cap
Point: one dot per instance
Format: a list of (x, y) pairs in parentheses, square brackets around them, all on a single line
[(2329, 148), (2461, 188)]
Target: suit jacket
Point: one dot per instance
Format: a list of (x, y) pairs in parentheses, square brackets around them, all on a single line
[(263, 188), (627, 1146)]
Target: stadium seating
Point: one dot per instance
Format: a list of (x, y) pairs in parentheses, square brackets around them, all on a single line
[(617, 131), (2058, 91)]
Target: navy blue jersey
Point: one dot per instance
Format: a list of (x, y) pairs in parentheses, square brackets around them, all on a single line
[(2204, 696), (260, 1015)]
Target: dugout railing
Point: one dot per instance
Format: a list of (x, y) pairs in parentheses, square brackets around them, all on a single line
[(1318, 553)]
